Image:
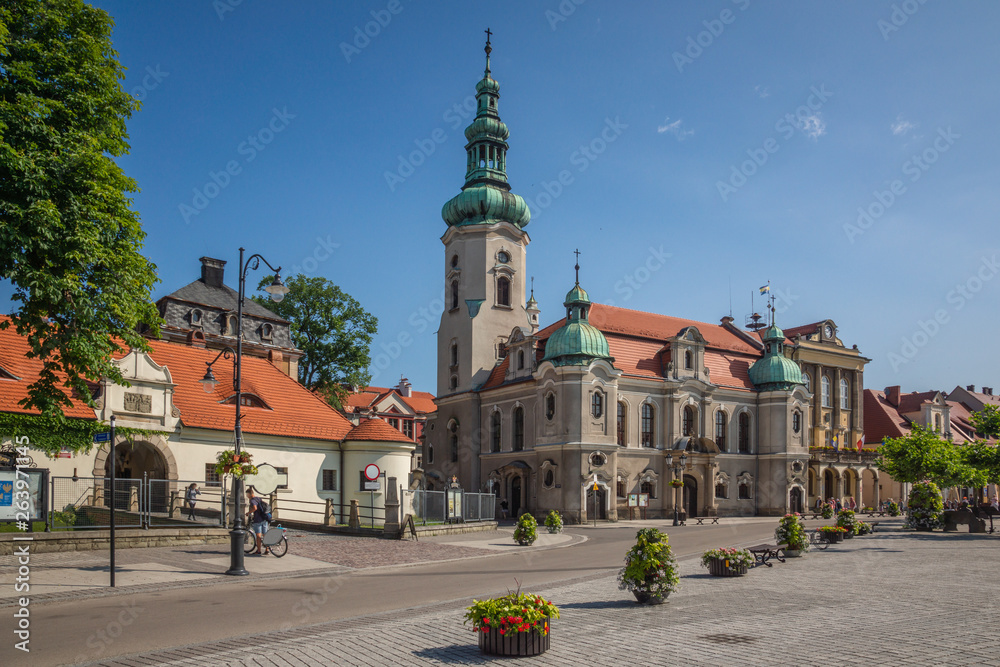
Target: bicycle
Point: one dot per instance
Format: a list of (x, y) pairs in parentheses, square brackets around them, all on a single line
[(274, 540)]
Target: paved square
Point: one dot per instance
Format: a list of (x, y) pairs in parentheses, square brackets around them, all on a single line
[(899, 598)]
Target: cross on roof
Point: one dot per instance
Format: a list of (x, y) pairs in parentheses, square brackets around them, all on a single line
[(577, 253)]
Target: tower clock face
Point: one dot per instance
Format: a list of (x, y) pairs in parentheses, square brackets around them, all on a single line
[(828, 331), (503, 257)]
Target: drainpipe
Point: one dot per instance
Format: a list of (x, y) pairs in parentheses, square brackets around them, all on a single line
[(340, 448), (756, 472)]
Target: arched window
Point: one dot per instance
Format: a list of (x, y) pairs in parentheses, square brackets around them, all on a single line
[(647, 487), (744, 490), (550, 406), (454, 261), (688, 421), (620, 489), (266, 332), (495, 432), (824, 384), (688, 360), (796, 421), (520, 360), (453, 438), (549, 479), (744, 433), (454, 294), (454, 382), (454, 354), (231, 325), (720, 489), (621, 424), (807, 381), (845, 394), (597, 404), (937, 423), (720, 430), (647, 425), (430, 454), (519, 429), (503, 291), (196, 318)]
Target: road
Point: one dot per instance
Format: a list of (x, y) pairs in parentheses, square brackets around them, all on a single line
[(71, 631)]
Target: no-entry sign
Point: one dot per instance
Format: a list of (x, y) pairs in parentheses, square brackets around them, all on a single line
[(372, 472)]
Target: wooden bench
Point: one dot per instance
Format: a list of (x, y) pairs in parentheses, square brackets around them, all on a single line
[(700, 520), (763, 553)]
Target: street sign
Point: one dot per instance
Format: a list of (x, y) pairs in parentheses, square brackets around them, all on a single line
[(370, 485), (102, 437), (372, 472)]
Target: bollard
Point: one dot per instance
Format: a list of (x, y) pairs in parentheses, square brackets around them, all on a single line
[(391, 525), (328, 516), (355, 520), (273, 502)]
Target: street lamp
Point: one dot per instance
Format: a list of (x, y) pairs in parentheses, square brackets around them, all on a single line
[(677, 470), (277, 290)]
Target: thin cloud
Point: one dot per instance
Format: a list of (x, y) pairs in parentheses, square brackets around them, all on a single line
[(813, 126), (901, 126), (674, 128), (761, 91)]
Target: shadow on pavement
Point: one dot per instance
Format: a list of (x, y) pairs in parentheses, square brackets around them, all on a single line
[(454, 655), (600, 604)]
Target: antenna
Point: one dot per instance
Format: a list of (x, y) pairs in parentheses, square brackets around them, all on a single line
[(730, 296)]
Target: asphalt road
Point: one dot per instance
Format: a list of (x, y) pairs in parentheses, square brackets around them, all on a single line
[(65, 632)]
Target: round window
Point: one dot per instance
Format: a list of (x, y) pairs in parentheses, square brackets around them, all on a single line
[(503, 257)]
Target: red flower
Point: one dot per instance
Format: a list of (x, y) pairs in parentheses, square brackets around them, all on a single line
[(501, 632)]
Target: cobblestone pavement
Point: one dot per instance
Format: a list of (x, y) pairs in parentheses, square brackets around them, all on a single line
[(896, 597)]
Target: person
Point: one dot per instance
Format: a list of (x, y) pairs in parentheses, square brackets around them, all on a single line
[(838, 505), (190, 497), (994, 502), (257, 519), (854, 505), (503, 508), (819, 504)]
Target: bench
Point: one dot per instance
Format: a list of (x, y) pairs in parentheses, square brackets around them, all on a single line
[(763, 553), (700, 520), (876, 513)]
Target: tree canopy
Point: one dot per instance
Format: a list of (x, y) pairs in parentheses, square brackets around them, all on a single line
[(924, 455), (987, 421), (69, 239), (333, 331)]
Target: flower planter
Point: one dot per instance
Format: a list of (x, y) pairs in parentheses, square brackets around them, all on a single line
[(557, 529), (848, 535), (516, 644), (792, 553), (645, 598), (718, 568), (834, 538), (525, 543)]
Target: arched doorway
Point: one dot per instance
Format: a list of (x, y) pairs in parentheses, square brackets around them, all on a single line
[(829, 484), (795, 500), (133, 463), (690, 502), (601, 511), (515, 496)]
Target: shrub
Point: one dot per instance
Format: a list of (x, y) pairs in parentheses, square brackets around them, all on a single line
[(554, 522), (791, 532), (846, 519), (827, 511), (650, 566), (925, 508), (526, 532), (893, 508)]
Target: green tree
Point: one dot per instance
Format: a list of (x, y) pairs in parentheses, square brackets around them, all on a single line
[(987, 421), (69, 239), (333, 331), (922, 455)]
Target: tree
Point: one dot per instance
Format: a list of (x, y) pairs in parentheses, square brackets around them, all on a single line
[(333, 331), (987, 421), (922, 455), (68, 238)]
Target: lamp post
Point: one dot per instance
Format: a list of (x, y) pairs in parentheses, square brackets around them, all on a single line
[(677, 470), (277, 290)]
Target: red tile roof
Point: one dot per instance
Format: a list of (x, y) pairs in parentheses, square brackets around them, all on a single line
[(376, 430), (911, 402), (14, 360), (881, 419), (804, 329), (610, 319), (419, 401)]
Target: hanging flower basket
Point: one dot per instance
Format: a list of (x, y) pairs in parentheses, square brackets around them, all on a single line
[(677, 483), (229, 463)]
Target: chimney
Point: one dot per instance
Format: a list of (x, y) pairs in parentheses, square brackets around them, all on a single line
[(970, 387), (212, 271), (403, 387), (988, 391), (892, 395), (277, 359)]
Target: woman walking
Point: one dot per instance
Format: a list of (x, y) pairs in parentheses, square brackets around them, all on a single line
[(190, 497)]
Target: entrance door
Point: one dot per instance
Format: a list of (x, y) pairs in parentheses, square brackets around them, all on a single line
[(795, 500), (602, 504), (515, 497), (690, 503)]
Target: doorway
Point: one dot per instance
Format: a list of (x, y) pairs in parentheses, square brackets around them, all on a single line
[(515, 497), (690, 503), (602, 503), (795, 500)]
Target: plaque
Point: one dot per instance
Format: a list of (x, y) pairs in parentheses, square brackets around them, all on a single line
[(138, 403)]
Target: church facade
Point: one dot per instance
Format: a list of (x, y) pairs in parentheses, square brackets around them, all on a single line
[(607, 408)]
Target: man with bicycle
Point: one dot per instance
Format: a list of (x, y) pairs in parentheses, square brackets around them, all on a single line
[(257, 519)]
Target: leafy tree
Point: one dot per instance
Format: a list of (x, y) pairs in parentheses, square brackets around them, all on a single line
[(985, 460), (68, 238), (987, 421), (922, 455), (333, 331)]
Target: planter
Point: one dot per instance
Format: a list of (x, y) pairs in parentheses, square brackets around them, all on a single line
[(717, 568), (792, 553), (834, 538), (517, 644), (848, 535), (643, 597), (525, 543), (555, 530)]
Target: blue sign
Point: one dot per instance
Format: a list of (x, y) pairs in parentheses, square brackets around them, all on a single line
[(6, 493), (102, 437)]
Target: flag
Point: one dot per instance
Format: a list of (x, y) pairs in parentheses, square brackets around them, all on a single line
[(835, 446), (765, 289), (860, 442)]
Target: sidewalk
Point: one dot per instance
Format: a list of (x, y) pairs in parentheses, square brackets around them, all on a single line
[(895, 597)]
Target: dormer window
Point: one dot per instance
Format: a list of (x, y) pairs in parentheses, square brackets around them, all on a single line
[(230, 325), (196, 318), (688, 360), (266, 332), (520, 360), (248, 401)]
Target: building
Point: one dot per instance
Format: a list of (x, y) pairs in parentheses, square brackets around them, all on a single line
[(401, 407), (611, 398)]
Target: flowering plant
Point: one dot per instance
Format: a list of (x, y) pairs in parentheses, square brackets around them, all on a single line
[(228, 463), (525, 533), (925, 508), (862, 528), (893, 508), (554, 522), (791, 532), (677, 483), (513, 613), (846, 519), (733, 557), (831, 529), (827, 511), (650, 566)]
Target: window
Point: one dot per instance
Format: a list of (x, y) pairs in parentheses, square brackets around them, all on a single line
[(825, 392), (796, 421), (393, 422), (688, 420), (454, 294), (454, 354), (196, 318), (807, 381), (430, 454), (408, 428), (647, 487), (519, 429), (845, 394), (282, 471), (744, 491), (744, 433), (720, 430), (720, 490), (230, 325), (550, 406), (501, 350), (646, 438), (597, 405), (453, 438), (329, 480), (503, 291), (454, 382), (620, 489), (454, 261), (937, 423), (621, 424), (520, 360), (266, 332), (495, 432), (549, 479), (688, 360), (503, 257), (211, 478)]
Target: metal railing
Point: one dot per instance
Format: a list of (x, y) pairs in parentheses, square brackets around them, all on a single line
[(433, 507)]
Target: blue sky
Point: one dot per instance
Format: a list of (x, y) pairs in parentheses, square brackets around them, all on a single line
[(747, 137)]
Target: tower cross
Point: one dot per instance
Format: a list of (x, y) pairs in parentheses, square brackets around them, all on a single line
[(488, 35), (577, 253)]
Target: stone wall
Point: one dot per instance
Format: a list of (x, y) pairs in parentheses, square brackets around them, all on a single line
[(125, 538)]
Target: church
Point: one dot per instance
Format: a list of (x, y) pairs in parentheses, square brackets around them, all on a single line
[(609, 412)]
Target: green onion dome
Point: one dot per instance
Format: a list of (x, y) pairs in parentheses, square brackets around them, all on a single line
[(775, 371), (577, 342)]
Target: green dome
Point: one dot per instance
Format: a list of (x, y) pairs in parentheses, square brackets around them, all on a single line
[(488, 85), (487, 126), (775, 371), (577, 295), (576, 344), (485, 204)]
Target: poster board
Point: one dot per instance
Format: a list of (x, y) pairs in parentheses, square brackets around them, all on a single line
[(31, 499), (633, 500), (643, 500)]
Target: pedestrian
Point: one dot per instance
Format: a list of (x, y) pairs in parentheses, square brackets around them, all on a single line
[(257, 519), (838, 505), (995, 503), (854, 505), (503, 508), (190, 497)]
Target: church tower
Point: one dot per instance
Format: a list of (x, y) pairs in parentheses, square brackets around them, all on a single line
[(484, 259)]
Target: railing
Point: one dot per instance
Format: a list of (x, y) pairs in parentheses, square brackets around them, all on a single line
[(843, 455), (432, 507)]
